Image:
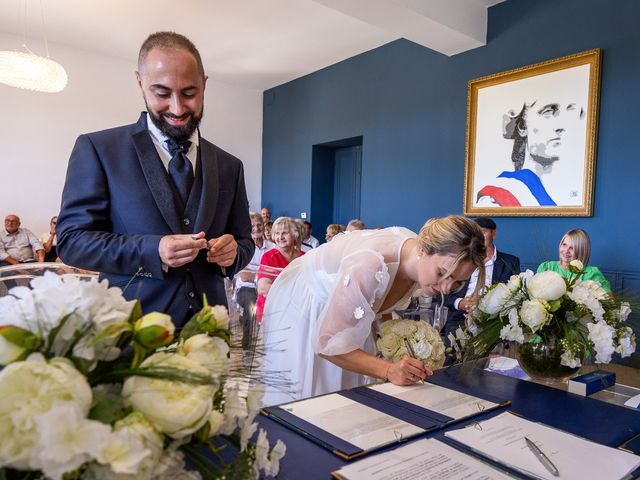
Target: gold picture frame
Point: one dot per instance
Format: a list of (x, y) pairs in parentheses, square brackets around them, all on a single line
[(531, 139)]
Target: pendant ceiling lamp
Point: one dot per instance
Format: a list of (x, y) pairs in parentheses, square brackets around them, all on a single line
[(30, 71)]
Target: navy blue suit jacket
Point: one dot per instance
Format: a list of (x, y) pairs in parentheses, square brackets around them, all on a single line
[(118, 203), (504, 266)]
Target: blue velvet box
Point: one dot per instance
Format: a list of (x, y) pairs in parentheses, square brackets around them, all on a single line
[(592, 382)]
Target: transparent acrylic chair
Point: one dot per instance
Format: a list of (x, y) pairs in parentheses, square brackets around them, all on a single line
[(21, 274)]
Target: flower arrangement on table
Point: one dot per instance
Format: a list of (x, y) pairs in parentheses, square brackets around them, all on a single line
[(424, 340), (92, 389), (578, 316)]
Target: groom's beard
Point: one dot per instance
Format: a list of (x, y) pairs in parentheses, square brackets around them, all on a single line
[(178, 133)]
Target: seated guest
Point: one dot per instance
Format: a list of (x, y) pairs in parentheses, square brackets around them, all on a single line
[(266, 215), (333, 230), (309, 240), (498, 267), (18, 245), (287, 235), (267, 230), (49, 242), (355, 224), (575, 245), (323, 311), (245, 280)]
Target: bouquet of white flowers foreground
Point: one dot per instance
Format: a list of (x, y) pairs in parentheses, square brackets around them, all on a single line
[(92, 389), (423, 338), (578, 317)]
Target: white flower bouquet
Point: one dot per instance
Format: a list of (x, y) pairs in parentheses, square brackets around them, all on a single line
[(92, 389), (423, 338), (583, 319)]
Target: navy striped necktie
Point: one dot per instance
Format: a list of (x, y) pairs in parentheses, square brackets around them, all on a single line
[(180, 168)]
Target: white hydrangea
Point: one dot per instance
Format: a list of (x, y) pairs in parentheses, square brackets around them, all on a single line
[(512, 331), (601, 335), (589, 294), (568, 359)]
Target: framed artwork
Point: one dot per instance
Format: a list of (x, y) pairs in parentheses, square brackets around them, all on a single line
[(531, 139)]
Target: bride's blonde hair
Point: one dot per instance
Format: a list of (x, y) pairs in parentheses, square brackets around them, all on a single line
[(458, 237)]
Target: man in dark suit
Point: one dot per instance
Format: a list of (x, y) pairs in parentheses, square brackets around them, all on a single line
[(133, 208), (498, 266)]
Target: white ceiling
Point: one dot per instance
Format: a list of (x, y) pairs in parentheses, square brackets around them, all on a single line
[(255, 43)]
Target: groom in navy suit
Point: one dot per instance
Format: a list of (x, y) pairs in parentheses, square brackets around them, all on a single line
[(499, 266), (153, 206)]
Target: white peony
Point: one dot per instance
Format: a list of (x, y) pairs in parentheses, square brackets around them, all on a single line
[(177, 409), (496, 299), (9, 352), (577, 264), (29, 389), (601, 335), (547, 286), (210, 352), (221, 315), (66, 440), (534, 314)]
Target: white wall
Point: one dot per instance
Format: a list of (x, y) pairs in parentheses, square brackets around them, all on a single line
[(38, 130)]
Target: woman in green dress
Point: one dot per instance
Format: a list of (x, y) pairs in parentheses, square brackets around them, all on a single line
[(575, 245)]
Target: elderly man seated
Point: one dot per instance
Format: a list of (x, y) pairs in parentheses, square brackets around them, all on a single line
[(17, 245)]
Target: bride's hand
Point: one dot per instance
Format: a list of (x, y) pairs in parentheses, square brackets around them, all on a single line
[(407, 371)]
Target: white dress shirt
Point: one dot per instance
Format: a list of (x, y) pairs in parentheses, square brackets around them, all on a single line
[(488, 276), (20, 245), (159, 141)]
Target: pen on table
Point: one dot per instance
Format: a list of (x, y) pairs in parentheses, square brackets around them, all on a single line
[(412, 354), (544, 460)]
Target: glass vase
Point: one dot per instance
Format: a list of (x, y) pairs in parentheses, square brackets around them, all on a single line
[(540, 359)]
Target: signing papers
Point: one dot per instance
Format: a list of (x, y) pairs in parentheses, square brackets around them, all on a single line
[(501, 438), (419, 460), (352, 422)]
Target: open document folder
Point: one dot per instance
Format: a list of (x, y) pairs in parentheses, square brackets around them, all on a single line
[(422, 459), (354, 422), (502, 439)]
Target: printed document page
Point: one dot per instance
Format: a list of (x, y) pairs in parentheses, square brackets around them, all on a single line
[(418, 460), (501, 438), (437, 399), (351, 421)]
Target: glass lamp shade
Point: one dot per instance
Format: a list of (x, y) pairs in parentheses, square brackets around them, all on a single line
[(31, 72)]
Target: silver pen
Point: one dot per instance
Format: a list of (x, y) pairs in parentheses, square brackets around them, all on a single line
[(412, 353), (544, 460)]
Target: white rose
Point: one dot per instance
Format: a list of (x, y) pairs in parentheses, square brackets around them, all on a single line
[(534, 314), (210, 352), (389, 344), (495, 299), (547, 286), (29, 389), (177, 409), (601, 335), (404, 328)]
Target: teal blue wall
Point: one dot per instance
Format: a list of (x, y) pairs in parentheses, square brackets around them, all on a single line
[(409, 105)]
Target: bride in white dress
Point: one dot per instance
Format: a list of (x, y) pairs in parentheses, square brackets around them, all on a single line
[(319, 320)]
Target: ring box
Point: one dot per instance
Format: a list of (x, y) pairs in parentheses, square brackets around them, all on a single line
[(592, 382)]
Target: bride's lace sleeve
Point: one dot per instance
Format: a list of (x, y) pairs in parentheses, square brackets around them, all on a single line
[(345, 322)]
